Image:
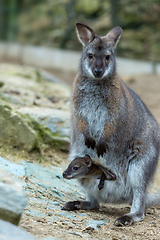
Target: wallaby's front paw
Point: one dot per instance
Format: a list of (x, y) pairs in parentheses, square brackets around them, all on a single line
[(101, 148), (71, 206), (123, 221), (90, 142)]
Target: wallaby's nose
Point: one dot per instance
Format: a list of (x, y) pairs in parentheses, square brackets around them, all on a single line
[(98, 72), (64, 174)]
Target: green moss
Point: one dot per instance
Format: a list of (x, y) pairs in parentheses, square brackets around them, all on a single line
[(1, 84), (39, 79), (24, 75), (46, 136), (9, 216), (15, 131), (3, 98)]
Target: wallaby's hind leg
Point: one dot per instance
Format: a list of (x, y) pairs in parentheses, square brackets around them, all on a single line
[(139, 176), (135, 215), (137, 210)]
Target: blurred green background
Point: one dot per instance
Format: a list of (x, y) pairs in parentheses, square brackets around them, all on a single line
[(51, 23)]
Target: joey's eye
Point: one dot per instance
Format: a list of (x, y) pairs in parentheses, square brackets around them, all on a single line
[(75, 168), (90, 55), (107, 57)]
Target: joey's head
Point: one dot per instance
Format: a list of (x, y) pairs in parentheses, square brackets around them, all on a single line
[(78, 168), (98, 61)]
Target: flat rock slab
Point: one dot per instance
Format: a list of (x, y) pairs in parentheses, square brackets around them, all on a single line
[(45, 181), (47, 192), (51, 179), (12, 167)]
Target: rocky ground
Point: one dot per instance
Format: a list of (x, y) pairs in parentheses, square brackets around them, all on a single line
[(37, 104)]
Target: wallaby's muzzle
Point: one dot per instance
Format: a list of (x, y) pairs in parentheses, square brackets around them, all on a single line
[(98, 72)]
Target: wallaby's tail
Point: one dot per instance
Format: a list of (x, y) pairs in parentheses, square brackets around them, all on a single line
[(152, 200)]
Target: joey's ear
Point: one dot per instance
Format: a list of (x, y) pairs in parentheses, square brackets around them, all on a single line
[(85, 34), (88, 160), (114, 35)]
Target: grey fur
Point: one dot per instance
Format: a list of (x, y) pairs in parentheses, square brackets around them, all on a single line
[(132, 150)]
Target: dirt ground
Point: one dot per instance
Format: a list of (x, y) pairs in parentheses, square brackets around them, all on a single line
[(148, 87)]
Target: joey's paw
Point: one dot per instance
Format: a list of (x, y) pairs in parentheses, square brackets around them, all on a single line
[(101, 148), (100, 186), (71, 206), (90, 142), (123, 221)]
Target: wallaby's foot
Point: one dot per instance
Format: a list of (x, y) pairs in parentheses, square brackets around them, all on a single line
[(71, 206), (123, 221), (90, 142), (101, 148), (83, 205), (129, 219)]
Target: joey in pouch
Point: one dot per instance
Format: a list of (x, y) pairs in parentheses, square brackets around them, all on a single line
[(84, 168)]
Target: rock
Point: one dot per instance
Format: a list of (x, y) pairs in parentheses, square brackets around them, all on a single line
[(48, 179), (58, 121), (52, 125), (51, 179), (12, 198), (31, 85), (15, 130), (9, 231), (61, 143), (94, 224), (51, 77), (48, 191), (41, 114), (14, 168)]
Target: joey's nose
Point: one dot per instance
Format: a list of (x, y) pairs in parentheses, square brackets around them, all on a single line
[(64, 174), (98, 72)]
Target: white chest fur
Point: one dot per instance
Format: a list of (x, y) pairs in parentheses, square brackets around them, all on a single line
[(94, 111)]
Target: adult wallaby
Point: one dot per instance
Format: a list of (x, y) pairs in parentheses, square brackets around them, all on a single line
[(113, 126)]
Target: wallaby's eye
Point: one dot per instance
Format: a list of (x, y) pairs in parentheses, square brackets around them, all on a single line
[(90, 55), (75, 168), (107, 57)]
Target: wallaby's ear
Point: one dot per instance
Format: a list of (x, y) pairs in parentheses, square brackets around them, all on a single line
[(88, 160), (85, 34), (114, 35)]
